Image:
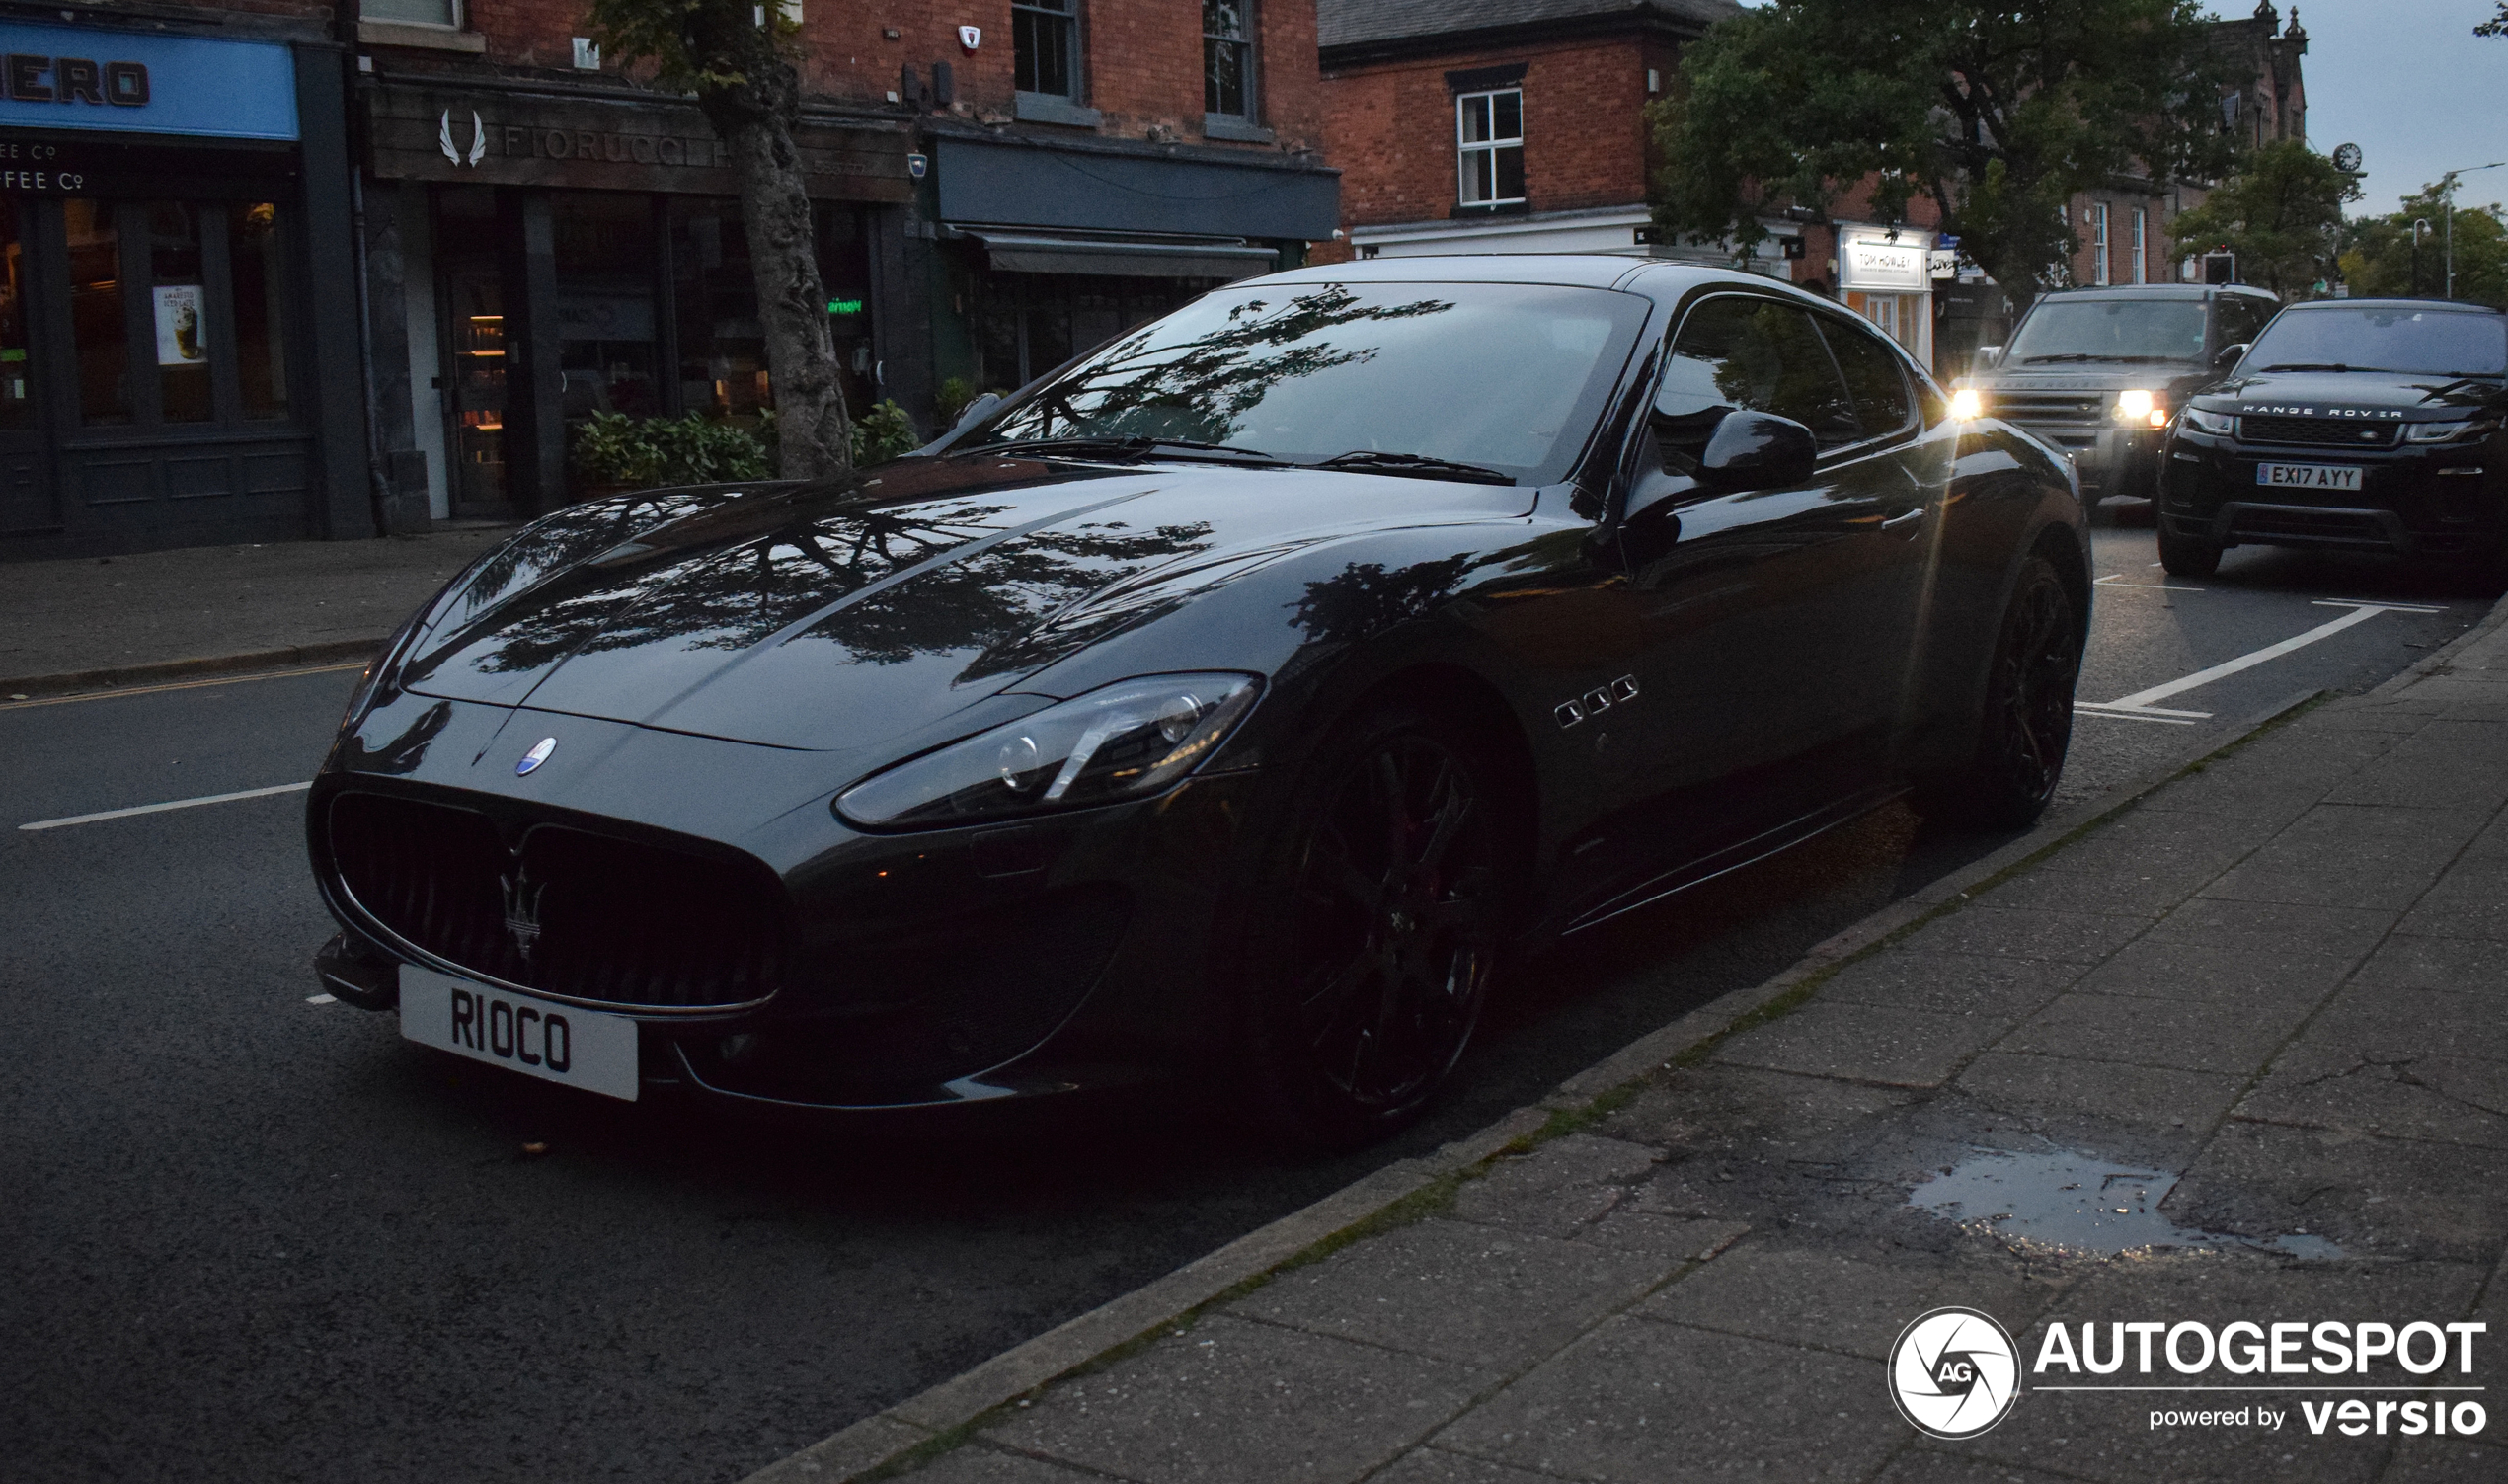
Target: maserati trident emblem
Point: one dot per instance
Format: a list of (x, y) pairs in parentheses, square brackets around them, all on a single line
[(478, 138), (522, 910), (538, 754)]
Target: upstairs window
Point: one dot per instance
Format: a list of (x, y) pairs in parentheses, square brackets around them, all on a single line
[(2100, 275), (414, 12), (1227, 58), (1489, 146), (1043, 37)]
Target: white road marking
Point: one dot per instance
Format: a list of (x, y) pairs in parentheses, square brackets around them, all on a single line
[(2132, 716), (154, 809), (2371, 602), (322, 999), (2142, 699), (2117, 579)]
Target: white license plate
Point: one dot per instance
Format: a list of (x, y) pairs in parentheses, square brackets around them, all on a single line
[(2308, 477), (534, 1037)]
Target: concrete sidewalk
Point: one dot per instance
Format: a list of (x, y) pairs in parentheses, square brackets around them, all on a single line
[(2237, 1053), (90, 622)]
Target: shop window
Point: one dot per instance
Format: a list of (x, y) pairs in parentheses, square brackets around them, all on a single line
[(254, 252), (97, 323), (721, 340), (179, 303), (844, 272), (1044, 43), (1027, 324), (17, 392), (606, 325), (1489, 141), (472, 294), (414, 12), (1227, 58)]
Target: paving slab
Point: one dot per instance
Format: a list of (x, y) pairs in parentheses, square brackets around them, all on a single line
[(2412, 961), (1681, 1238), (2404, 1064), (2472, 902), (2250, 969), (2080, 937), (2372, 1197), (1895, 1047), (979, 1464), (1460, 1292), (2446, 765), (1654, 1403), (1718, 1107), (1430, 1465), (1828, 1299), (1951, 983), (2189, 1034), (1237, 1402), (2080, 1102), (1558, 1189), (2352, 855)]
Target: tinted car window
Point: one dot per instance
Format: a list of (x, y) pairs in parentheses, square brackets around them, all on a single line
[(2109, 330), (1510, 376), (1748, 353), (2415, 342), (1873, 378), (2240, 318)]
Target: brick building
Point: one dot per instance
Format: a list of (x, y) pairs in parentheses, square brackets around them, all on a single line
[(178, 358), (999, 184)]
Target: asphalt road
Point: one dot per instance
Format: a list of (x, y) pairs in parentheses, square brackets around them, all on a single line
[(250, 1237)]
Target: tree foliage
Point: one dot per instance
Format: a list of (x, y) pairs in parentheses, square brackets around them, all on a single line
[(2377, 253), (1997, 112), (2497, 24), (736, 58), (2281, 212)]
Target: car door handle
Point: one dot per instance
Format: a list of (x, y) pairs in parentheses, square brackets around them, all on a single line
[(1904, 517)]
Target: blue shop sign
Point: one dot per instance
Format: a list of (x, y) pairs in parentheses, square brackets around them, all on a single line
[(54, 77)]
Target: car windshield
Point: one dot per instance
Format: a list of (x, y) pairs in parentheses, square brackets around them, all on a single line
[(2110, 329), (2414, 342), (1509, 378)]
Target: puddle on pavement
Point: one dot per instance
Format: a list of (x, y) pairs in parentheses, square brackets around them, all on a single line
[(2081, 1203)]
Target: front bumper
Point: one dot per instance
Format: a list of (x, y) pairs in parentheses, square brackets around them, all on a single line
[(2113, 462), (2433, 500), (943, 967)]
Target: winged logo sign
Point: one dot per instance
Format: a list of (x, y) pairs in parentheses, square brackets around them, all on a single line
[(478, 140)]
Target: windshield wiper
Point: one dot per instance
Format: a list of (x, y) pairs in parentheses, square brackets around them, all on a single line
[(1414, 466), (2077, 356), (1121, 445), (2326, 366)]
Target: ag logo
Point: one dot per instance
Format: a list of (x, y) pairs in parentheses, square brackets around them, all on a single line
[(1954, 1372)]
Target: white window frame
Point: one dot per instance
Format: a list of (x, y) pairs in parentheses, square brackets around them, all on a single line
[(455, 7), (1465, 150), (2100, 276), (2141, 245)]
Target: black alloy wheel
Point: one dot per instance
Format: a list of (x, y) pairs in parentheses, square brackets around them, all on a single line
[(1384, 932), (2027, 725)]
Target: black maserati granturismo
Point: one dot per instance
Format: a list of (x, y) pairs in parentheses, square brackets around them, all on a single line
[(1226, 704)]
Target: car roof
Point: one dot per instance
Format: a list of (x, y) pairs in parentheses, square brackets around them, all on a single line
[(2457, 305), (2157, 291), (1657, 277)]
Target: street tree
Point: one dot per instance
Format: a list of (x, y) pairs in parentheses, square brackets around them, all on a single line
[(2497, 24), (2377, 252), (2280, 212), (737, 60), (1997, 112)]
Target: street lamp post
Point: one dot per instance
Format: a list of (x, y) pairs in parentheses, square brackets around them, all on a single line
[(2420, 230), (2447, 182)]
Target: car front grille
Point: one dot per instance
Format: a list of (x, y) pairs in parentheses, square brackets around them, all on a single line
[(2036, 410), (2331, 527), (584, 917), (2317, 433)]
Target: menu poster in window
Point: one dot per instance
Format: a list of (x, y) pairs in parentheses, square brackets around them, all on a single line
[(179, 311)]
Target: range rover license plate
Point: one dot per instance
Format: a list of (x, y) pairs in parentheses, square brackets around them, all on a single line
[(535, 1037), (2308, 476)]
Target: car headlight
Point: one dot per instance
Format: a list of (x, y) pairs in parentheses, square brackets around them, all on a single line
[(1968, 404), (2444, 433), (1125, 741), (2143, 409), (2219, 424)]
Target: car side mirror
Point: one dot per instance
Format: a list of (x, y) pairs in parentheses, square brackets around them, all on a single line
[(2229, 355), (974, 414), (1988, 357), (1756, 450)]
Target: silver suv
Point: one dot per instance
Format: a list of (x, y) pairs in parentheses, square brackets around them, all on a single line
[(2098, 372)]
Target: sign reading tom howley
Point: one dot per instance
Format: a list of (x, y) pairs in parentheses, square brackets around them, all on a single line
[(477, 137)]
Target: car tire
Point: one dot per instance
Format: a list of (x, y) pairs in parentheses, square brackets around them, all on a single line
[(2187, 556), (2010, 772), (1374, 930)]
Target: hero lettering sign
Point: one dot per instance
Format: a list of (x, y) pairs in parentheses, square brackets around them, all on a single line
[(66, 77)]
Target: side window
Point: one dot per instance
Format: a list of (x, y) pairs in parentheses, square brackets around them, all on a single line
[(1873, 378), (1740, 352), (2242, 319)]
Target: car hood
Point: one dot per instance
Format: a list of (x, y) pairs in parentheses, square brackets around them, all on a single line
[(2337, 394), (837, 614), (2088, 378)]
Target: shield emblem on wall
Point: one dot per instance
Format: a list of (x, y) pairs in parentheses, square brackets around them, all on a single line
[(970, 36)]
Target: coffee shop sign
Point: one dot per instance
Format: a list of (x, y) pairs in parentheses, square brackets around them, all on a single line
[(466, 148)]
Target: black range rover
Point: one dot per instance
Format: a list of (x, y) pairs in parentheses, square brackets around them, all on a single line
[(2368, 423)]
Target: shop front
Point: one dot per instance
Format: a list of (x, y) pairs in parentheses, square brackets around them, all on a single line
[(178, 353), (537, 257), (1886, 276), (1051, 247)]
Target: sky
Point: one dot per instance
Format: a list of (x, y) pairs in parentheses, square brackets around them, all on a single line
[(2410, 84)]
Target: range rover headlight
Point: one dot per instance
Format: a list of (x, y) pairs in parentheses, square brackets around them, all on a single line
[(2142, 409), (1125, 741), (2445, 432), (2219, 424)]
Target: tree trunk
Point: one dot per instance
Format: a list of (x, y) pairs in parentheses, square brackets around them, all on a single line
[(754, 115)]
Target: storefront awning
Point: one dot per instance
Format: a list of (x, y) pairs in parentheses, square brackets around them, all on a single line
[(1121, 258)]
